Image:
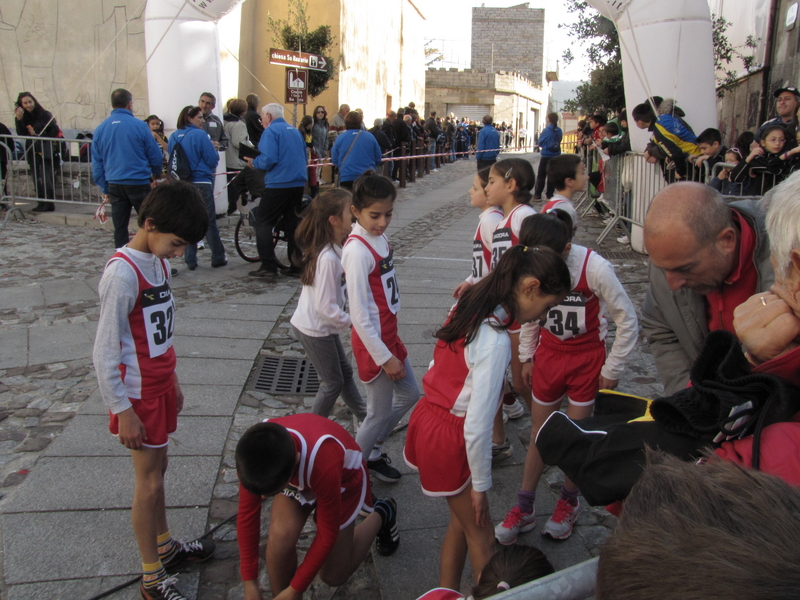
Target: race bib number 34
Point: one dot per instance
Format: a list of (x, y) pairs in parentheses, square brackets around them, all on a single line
[(158, 309)]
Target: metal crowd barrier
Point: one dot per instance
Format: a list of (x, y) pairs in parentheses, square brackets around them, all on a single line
[(50, 170)]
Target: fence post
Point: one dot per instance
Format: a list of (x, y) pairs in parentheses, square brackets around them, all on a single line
[(419, 164), (411, 163), (401, 165), (426, 162)]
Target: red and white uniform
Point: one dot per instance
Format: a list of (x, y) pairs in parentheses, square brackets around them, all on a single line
[(562, 203), (374, 300), (330, 473), (482, 244), (506, 234), (449, 439), (569, 349)]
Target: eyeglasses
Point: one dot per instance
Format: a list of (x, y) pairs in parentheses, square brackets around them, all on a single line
[(320, 112)]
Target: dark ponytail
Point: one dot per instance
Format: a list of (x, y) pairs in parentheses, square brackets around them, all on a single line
[(371, 188), (510, 567), (500, 286), (552, 229)]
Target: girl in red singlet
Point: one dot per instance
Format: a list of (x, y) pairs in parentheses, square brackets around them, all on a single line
[(450, 432), (374, 299)]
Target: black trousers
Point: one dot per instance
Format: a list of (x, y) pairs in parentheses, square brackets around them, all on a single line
[(277, 204), (123, 198), (482, 163), (541, 175)]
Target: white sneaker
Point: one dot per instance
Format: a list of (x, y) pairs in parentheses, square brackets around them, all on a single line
[(516, 522), (434, 170), (514, 411), (201, 245), (559, 526), (623, 239)]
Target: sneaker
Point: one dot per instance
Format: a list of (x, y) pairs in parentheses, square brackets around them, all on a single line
[(164, 590), (514, 411), (381, 468), (222, 264), (388, 536), (501, 452), (173, 271), (190, 552), (516, 522), (559, 526), (624, 239)]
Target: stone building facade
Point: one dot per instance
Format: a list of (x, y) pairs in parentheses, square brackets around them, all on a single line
[(509, 39)]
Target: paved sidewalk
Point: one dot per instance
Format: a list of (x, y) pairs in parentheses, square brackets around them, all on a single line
[(66, 482)]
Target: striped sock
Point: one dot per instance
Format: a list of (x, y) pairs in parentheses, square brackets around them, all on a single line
[(166, 546), (153, 574)]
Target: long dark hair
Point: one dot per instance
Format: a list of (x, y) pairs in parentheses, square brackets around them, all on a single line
[(371, 188), (187, 112), (552, 229), (36, 106), (304, 123), (160, 128), (500, 286), (324, 119), (315, 231)]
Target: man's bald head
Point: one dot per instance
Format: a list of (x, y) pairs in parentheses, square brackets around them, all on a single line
[(690, 234), (697, 207)]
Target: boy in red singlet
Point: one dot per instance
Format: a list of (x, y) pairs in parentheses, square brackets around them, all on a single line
[(308, 463), (135, 364)]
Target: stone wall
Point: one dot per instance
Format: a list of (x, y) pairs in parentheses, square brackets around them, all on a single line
[(49, 48), (509, 39)]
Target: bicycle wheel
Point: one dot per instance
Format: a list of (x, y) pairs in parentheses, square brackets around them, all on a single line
[(280, 247), (245, 240)]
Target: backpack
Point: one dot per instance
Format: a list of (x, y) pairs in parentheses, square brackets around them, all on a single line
[(178, 167)]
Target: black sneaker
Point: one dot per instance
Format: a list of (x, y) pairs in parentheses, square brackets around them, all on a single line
[(262, 272), (163, 590), (388, 536), (190, 552), (382, 469)]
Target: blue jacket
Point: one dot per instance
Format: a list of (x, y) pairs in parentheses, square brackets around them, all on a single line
[(124, 151), (203, 157), (365, 155), (283, 156), (550, 141), (489, 142)]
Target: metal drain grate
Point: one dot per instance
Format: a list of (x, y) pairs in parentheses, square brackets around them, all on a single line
[(622, 255), (285, 375)]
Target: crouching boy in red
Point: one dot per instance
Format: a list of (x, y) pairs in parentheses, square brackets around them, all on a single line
[(307, 462), (135, 364)]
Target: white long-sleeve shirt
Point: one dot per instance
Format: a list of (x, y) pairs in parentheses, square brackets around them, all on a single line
[(358, 262), (320, 310), (614, 301)]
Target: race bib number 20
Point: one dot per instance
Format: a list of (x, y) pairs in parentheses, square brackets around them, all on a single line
[(389, 279)]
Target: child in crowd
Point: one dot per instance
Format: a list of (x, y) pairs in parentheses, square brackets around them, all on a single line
[(508, 568), (768, 163), (611, 133), (306, 463), (320, 315), (722, 181), (568, 174), (482, 243), (670, 135), (566, 356), (509, 188), (135, 364), (449, 433), (481, 266), (374, 298), (712, 152)]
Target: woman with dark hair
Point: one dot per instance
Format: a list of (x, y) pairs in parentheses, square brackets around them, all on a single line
[(306, 128), (320, 134), (43, 156), (252, 119), (236, 130), (355, 151), (203, 159)]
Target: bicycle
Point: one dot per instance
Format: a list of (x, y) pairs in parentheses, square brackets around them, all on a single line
[(245, 234)]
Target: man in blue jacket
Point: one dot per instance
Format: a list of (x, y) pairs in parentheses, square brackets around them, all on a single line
[(125, 160), (488, 144), (550, 144), (283, 160)]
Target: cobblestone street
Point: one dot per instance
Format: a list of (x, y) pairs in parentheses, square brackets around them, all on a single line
[(57, 460)]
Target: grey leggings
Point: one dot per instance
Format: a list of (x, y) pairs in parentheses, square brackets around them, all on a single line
[(387, 402), (335, 374)]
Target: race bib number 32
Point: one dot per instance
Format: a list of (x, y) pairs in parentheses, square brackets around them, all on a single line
[(158, 309)]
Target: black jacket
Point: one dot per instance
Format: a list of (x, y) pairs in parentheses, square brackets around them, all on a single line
[(383, 141), (254, 126)]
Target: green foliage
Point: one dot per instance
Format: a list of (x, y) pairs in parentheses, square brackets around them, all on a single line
[(293, 34), (603, 93), (724, 53)]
